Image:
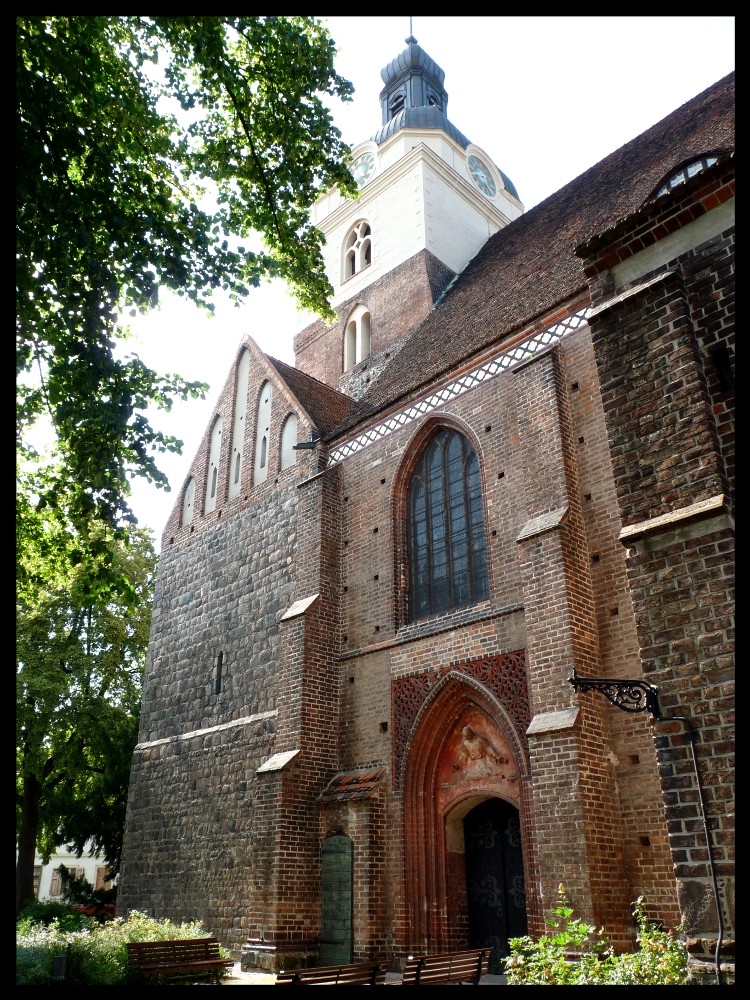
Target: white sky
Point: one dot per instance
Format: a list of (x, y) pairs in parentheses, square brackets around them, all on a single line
[(545, 97)]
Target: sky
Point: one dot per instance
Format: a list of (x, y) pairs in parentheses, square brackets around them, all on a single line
[(545, 97)]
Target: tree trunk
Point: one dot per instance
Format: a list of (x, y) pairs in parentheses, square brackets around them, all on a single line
[(32, 792)]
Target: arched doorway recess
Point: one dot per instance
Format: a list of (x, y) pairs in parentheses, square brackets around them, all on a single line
[(495, 884), (463, 756)]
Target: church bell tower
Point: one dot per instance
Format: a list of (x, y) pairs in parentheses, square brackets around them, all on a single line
[(429, 199)]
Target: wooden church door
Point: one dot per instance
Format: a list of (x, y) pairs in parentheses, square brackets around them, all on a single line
[(494, 878)]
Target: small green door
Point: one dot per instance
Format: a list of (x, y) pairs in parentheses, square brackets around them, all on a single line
[(336, 902)]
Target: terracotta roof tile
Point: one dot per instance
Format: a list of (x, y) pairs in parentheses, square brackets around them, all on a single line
[(326, 406), (352, 785)]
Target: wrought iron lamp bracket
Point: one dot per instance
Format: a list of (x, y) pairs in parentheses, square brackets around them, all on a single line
[(628, 695)]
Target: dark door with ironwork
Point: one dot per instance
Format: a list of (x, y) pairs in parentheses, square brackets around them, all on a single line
[(494, 878), (336, 902)]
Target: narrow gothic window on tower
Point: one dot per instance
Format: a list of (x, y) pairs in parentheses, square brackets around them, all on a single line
[(397, 104)]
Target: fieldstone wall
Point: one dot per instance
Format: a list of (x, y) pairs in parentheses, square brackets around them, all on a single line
[(197, 844)]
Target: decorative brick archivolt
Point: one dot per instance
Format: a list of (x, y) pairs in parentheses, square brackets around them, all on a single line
[(502, 676)]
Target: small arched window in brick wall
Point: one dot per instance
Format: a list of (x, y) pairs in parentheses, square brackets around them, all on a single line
[(357, 338), (446, 537)]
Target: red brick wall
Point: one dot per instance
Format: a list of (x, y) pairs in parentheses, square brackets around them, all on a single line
[(319, 350), (670, 420)]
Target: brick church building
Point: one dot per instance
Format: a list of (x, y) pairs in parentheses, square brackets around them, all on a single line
[(444, 612)]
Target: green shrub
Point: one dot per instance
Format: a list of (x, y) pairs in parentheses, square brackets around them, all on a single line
[(67, 916), (97, 953), (576, 953)]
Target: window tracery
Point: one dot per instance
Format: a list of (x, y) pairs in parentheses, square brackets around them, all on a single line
[(357, 249), (445, 528)]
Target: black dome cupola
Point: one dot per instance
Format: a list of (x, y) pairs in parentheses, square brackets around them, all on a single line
[(412, 80), (414, 95)]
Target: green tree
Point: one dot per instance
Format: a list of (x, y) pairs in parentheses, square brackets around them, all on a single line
[(79, 666), (126, 127)]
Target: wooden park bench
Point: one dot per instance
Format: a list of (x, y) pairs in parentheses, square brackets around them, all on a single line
[(190, 957), (357, 974), (465, 967)]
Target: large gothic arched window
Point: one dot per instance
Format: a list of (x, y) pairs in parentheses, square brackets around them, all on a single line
[(446, 540)]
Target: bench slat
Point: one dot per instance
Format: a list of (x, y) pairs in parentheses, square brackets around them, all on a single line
[(453, 967), (355, 974), (178, 957)]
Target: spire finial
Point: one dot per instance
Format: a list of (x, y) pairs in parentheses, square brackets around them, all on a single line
[(411, 40)]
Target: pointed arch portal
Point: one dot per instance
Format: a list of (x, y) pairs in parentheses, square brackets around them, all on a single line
[(464, 857)]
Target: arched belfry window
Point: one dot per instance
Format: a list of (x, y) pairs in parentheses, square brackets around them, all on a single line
[(445, 519), (357, 249), (357, 337)]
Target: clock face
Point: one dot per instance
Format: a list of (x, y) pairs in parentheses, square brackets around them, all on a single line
[(363, 167), (481, 176)]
